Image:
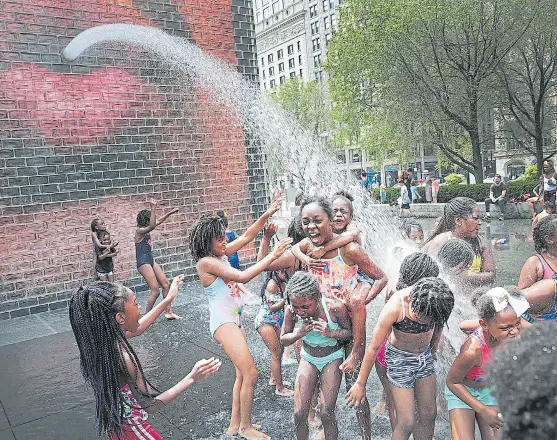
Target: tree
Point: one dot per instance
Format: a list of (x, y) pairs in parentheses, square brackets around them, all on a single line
[(430, 59), (528, 78)]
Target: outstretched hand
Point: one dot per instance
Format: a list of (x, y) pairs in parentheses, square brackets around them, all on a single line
[(173, 291), (274, 207), (281, 247), (204, 368), (355, 396), (269, 230)]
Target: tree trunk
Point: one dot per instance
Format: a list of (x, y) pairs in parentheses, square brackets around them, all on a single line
[(474, 133), (539, 139)]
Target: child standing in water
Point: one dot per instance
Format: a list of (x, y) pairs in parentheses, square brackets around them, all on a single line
[(103, 316), (105, 265), (414, 317), (468, 390), (209, 248), (151, 271), (322, 325), (268, 323)]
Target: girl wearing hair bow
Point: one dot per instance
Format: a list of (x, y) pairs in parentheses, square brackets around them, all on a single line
[(468, 391)]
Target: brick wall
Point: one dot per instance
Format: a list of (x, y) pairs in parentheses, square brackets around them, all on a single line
[(101, 136)]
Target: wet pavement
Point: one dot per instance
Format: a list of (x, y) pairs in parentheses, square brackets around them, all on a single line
[(42, 394)]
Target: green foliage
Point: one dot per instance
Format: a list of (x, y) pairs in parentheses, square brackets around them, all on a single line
[(454, 179), (531, 173)]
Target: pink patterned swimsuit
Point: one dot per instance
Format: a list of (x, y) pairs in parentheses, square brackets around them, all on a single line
[(336, 278)]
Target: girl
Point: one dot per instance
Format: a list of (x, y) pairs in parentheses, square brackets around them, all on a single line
[(151, 271), (468, 392), (461, 219), (548, 209), (103, 316), (98, 225), (404, 199), (414, 317), (322, 325), (548, 182), (105, 265), (540, 266), (268, 323), (209, 249)]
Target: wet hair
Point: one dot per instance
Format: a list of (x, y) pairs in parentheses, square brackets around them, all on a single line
[(272, 275), (202, 234), (432, 300), (321, 202), (346, 198), (549, 204), (102, 345), (484, 304), (461, 207), (303, 285), (143, 218), (545, 228), (456, 252), (94, 224), (223, 217), (409, 226), (102, 234), (525, 383), (415, 267), (295, 231)]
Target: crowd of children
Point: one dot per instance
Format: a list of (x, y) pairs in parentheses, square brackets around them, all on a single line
[(318, 283)]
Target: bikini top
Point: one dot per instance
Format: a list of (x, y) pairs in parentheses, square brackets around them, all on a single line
[(479, 374), (336, 278), (550, 315), (315, 339), (408, 325), (547, 270)]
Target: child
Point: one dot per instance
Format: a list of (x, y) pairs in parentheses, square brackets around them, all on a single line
[(404, 199), (103, 316), (548, 209), (415, 318), (209, 248), (415, 194), (98, 225), (151, 271), (105, 265), (468, 392), (383, 193), (322, 325), (268, 323), (434, 188), (414, 231)]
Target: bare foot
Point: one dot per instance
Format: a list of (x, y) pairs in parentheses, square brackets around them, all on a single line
[(285, 383), (172, 316), (315, 421), (320, 435), (252, 434), (234, 430), (284, 391)]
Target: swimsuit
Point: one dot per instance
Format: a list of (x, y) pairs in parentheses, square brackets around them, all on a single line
[(550, 315), (336, 278), (265, 316), (233, 259), (547, 270), (143, 252), (225, 303), (315, 339)]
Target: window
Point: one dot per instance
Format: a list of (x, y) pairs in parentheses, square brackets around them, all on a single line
[(515, 171), (299, 46), (327, 39), (334, 21), (291, 63), (262, 61), (292, 74), (325, 5), (287, 3), (290, 49), (314, 28), (275, 7), (316, 60), (263, 71), (271, 71), (270, 58), (272, 84), (312, 11), (266, 13), (279, 54), (319, 76), (316, 43), (281, 67), (326, 23), (258, 17), (282, 79), (332, 4), (264, 86), (301, 73), (300, 60)]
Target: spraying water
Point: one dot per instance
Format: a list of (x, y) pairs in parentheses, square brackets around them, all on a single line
[(288, 147)]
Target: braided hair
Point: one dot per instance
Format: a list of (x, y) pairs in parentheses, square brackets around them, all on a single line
[(223, 217), (410, 226), (461, 207), (102, 344), (202, 234), (303, 285), (456, 252), (545, 228), (432, 300), (415, 267), (484, 304), (321, 202), (143, 218), (273, 275)]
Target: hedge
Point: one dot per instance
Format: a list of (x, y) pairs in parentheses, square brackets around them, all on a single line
[(478, 191)]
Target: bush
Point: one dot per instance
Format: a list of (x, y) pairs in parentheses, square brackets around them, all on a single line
[(454, 179), (479, 191)]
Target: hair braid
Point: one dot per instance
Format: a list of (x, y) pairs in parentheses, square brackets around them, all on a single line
[(461, 207), (143, 218), (545, 228), (415, 267), (102, 343), (432, 300), (202, 234), (456, 252), (303, 285)]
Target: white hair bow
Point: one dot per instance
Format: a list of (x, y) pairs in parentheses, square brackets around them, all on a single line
[(501, 299)]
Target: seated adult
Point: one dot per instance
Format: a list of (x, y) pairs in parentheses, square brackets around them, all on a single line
[(537, 198), (497, 195)]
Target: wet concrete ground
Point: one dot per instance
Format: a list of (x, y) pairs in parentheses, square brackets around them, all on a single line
[(42, 393)]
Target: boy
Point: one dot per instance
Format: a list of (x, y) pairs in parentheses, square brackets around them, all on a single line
[(404, 199)]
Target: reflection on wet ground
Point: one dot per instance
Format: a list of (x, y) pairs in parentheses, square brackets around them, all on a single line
[(43, 396)]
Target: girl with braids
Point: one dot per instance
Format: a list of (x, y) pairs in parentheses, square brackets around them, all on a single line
[(468, 391), (209, 248), (414, 317), (268, 323), (151, 271), (103, 316), (413, 268), (321, 324), (541, 266), (461, 219)]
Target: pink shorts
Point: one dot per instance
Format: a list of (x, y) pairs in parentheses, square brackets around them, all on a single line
[(138, 430), (381, 355)]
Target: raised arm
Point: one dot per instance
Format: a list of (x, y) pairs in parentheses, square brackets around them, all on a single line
[(253, 230), (152, 221), (165, 216), (540, 295), (338, 241)]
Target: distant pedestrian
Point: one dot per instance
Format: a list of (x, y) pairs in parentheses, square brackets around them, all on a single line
[(404, 199), (434, 189), (414, 190), (428, 190)]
